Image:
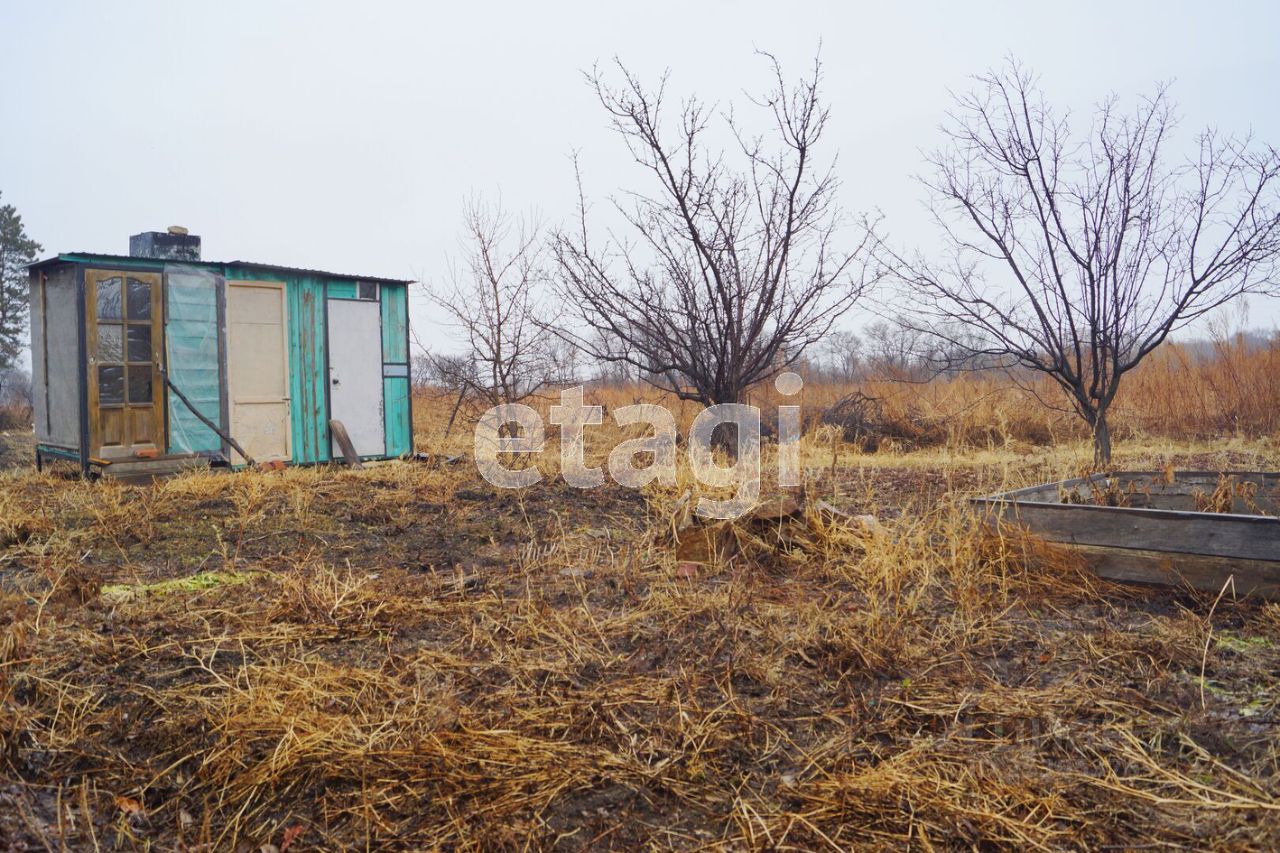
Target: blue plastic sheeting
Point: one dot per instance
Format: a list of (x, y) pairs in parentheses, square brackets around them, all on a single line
[(191, 332)]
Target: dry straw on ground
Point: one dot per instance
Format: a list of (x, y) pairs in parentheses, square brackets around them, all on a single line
[(405, 657)]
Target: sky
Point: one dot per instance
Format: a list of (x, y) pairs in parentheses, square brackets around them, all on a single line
[(347, 136)]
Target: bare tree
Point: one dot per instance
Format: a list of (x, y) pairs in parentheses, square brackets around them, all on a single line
[(16, 251), (493, 299), (894, 349), (727, 273), (424, 368), (843, 351), (444, 371), (899, 349), (17, 397), (1077, 257)]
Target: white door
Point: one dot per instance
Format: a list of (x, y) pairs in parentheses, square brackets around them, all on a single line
[(355, 373), (258, 368)]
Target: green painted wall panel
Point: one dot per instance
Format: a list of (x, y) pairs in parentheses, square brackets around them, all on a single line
[(397, 416), (342, 289), (308, 372), (191, 342), (395, 396), (395, 319)]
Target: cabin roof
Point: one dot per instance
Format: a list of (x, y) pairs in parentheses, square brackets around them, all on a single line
[(151, 263)]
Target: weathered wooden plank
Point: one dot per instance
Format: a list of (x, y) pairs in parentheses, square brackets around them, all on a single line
[(161, 466), (1143, 490), (1261, 504), (1199, 476), (1192, 487), (343, 440), (1250, 577), (1046, 492), (1185, 483), (1210, 534)]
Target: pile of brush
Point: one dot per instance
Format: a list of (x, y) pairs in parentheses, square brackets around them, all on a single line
[(785, 527)]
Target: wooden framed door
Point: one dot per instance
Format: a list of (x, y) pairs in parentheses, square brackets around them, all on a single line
[(124, 337), (258, 368)]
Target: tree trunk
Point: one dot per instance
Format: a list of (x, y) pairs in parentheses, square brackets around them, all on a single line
[(725, 435), (725, 439), (1101, 441)]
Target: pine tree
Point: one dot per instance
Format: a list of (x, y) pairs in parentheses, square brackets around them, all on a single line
[(16, 251)]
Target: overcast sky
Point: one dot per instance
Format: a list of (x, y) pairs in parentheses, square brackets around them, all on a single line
[(345, 136)]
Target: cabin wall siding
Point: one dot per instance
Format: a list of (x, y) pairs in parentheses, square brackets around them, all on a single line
[(308, 369), (397, 417), (56, 380), (39, 388)]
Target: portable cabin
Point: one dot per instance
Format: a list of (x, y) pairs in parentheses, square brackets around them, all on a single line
[(155, 361)]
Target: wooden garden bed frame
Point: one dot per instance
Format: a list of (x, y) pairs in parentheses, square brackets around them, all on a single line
[(1165, 541)]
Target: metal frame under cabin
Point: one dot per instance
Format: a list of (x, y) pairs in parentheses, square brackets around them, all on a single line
[(166, 462), (1151, 544)]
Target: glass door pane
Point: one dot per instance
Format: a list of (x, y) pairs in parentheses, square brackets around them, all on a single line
[(110, 347), (139, 299), (110, 384), (108, 298), (140, 343)]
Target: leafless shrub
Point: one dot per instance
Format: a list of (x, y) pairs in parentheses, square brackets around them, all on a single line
[(16, 400), (493, 298)]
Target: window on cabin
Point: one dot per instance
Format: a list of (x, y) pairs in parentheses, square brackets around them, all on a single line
[(367, 290)]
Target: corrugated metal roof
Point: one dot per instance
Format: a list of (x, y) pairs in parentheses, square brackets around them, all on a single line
[(303, 271), (276, 268)]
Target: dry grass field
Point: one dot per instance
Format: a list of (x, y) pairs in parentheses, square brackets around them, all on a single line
[(319, 658)]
